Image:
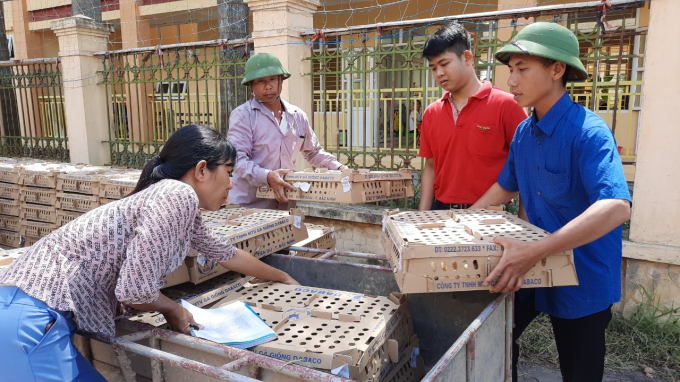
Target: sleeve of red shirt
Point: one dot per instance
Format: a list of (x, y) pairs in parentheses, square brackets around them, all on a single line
[(513, 116), (425, 148)]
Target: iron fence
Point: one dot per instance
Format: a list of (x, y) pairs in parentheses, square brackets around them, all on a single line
[(153, 91), (32, 117), (368, 82)]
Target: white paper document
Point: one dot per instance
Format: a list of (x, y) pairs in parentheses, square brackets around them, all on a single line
[(235, 325)]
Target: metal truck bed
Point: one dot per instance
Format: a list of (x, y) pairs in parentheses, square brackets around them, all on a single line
[(464, 336)]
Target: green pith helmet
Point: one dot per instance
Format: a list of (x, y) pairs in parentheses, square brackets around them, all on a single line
[(547, 40), (263, 65)]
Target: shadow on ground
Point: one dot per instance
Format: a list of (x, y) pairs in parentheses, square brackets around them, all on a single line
[(544, 373)]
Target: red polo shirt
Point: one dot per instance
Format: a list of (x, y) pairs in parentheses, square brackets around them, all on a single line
[(470, 153)]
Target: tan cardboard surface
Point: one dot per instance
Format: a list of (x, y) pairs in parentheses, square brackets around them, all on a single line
[(36, 229), (7, 256), (38, 212), (10, 239), (9, 173), (77, 202), (178, 276), (86, 179), (361, 175), (9, 191), (346, 186), (259, 232), (323, 328), (258, 246), (10, 223), (65, 217), (118, 187), (37, 195), (440, 251), (320, 237), (10, 207)]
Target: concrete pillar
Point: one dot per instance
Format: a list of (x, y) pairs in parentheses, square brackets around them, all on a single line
[(502, 73), (27, 44), (134, 29), (135, 32), (656, 211), (276, 29), (653, 255), (84, 101)]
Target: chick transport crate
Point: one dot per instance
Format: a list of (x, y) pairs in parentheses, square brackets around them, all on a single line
[(463, 336)]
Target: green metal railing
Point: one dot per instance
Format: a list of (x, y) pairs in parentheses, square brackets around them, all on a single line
[(32, 116), (366, 82), (153, 91)]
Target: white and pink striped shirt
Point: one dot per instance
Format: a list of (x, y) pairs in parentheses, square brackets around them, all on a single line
[(116, 253), (263, 145)]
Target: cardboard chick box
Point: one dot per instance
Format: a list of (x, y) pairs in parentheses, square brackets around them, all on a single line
[(86, 179), (256, 231), (320, 237), (328, 329), (118, 186), (345, 186), (444, 251), (198, 295)]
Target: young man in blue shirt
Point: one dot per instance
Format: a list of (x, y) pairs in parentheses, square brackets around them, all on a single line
[(564, 163)]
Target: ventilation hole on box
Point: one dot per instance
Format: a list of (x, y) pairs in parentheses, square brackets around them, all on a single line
[(474, 263)]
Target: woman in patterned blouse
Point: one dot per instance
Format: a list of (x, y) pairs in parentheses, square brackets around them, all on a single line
[(119, 252)]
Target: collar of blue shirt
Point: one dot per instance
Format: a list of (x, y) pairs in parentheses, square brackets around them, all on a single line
[(553, 117)]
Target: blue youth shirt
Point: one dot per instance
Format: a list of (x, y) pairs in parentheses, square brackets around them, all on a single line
[(561, 165)]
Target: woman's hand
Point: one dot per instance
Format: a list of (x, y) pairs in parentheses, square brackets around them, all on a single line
[(243, 262), (181, 320), (289, 280)]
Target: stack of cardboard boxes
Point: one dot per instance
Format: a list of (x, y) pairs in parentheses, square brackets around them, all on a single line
[(38, 200), (10, 223)]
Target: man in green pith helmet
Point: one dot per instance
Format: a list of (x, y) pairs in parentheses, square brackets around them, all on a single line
[(268, 134), (564, 163)]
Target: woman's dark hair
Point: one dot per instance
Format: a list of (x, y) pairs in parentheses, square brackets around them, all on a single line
[(451, 37), (183, 150)]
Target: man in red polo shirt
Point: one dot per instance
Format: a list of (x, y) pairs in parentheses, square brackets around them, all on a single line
[(466, 134)]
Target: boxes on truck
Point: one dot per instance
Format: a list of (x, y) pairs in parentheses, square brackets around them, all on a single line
[(365, 337)]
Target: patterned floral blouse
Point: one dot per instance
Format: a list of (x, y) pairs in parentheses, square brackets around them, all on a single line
[(117, 252)]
